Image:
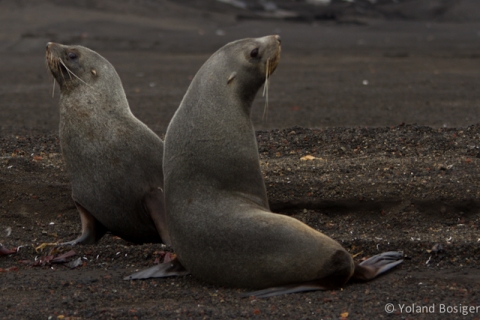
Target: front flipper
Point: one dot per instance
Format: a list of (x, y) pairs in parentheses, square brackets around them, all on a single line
[(276, 291), (162, 270), (92, 229), (155, 206), (377, 265)]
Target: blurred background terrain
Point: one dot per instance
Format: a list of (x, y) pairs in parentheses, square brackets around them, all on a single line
[(344, 63), (354, 78)]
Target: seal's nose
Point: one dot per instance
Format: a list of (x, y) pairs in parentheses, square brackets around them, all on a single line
[(278, 38)]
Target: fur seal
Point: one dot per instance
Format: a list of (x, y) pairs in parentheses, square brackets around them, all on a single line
[(219, 220), (114, 160)]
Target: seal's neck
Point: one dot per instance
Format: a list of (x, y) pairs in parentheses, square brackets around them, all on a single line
[(92, 100), (211, 135)]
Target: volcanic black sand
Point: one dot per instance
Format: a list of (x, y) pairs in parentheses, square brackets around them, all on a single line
[(371, 137)]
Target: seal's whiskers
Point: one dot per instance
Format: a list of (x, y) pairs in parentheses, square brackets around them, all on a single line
[(71, 73), (57, 67), (68, 70), (53, 89), (51, 63), (265, 91)]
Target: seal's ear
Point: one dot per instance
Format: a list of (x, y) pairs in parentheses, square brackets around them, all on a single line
[(232, 76), (94, 72)]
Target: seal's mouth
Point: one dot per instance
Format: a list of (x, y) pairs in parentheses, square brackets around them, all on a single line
[(55, 64), (270, 66), (272, 63)]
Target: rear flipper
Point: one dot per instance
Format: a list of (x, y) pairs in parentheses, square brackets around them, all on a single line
[(276, 291), (92, 229), (341, 269), (155, 206), (377, 265), (162, 270), (366, 270)]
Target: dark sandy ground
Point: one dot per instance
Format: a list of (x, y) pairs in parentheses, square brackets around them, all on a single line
[(386, 103)]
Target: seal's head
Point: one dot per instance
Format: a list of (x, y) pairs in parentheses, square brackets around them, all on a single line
[(238, 70), (262, 54), (87, 80), (72, 66), (255, 60)]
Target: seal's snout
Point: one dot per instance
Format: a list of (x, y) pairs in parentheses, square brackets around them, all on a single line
[(53, 60), (53, 47), (274, 49)]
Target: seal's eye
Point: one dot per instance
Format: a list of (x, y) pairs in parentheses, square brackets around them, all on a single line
[(72, 55), (254, 53)]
